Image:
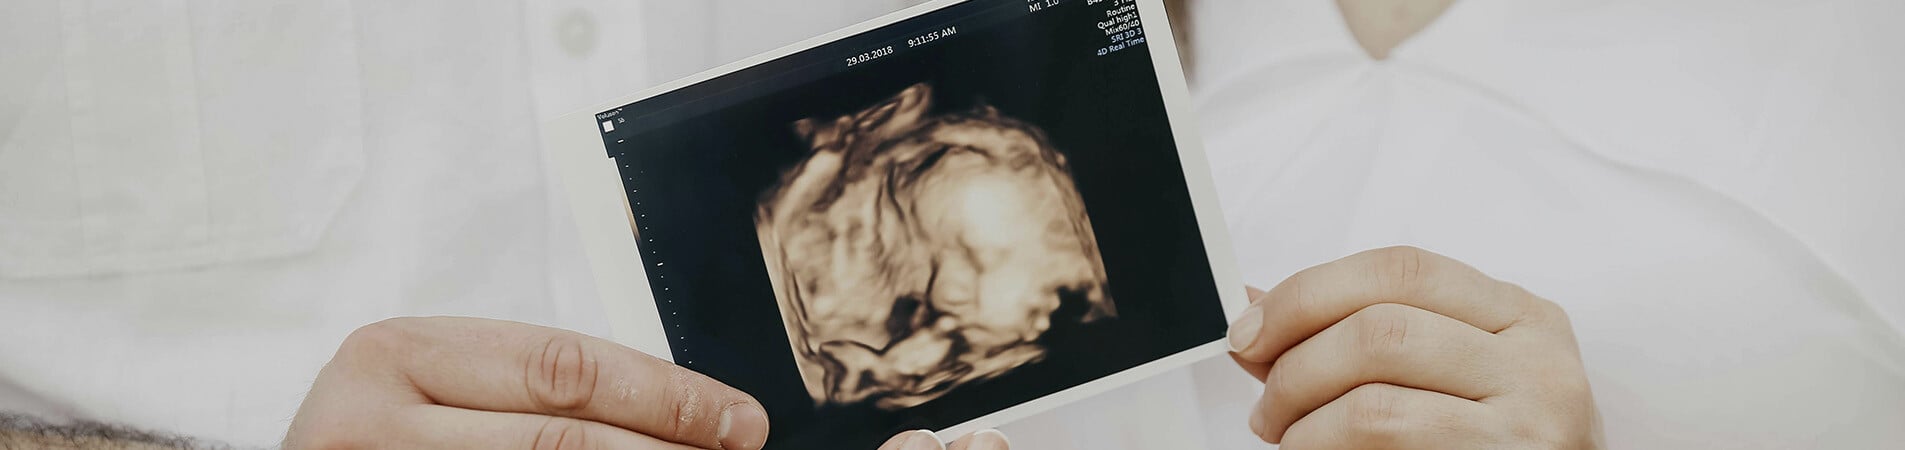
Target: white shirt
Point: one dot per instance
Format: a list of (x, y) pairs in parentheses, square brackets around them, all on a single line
[(1704, 185), (1707, 187)]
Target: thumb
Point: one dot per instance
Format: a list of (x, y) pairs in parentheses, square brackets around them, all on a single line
[(983, 440), (914, 440), (1256, 369)]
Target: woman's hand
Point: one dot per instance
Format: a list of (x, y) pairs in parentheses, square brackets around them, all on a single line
[(1403, 348)]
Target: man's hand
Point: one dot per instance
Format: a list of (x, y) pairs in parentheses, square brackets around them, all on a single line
[(461, 383), (1403, 348)]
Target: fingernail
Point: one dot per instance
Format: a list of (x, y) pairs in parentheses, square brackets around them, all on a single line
[(743, 427), (1256, 419), (922, 440), (1245, 330), (989, 439), (1251, 293)]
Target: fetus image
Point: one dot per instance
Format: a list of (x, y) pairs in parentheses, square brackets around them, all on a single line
[(912, 253)]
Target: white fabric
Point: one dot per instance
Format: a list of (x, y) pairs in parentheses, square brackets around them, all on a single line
[(450, 215), (1707, 187), (1702, 183), (135, 139)]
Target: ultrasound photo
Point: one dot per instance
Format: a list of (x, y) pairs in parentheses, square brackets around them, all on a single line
[(913, 253), (940, 237)]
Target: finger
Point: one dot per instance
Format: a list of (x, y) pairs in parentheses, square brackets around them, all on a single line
[(1255, 369), (512, 367), (444, 427), (1319, 296), (1384, 416), (987, 439), (914, 440), (1383, 343)]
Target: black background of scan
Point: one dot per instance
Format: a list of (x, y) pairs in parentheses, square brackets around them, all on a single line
[(699, 180)]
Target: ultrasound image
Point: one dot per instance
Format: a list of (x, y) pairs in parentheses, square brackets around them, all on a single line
[(914, 252)]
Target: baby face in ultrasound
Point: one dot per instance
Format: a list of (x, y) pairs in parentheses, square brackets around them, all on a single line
[(914, 253)]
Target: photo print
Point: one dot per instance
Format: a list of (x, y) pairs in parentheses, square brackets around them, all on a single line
[(912, 253), (918, 239)]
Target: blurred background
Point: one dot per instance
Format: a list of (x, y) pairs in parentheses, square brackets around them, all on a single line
[(200, 199)]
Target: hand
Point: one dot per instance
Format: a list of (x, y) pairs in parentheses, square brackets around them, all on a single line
[(1403, 348), (926, 440), (457, 383)]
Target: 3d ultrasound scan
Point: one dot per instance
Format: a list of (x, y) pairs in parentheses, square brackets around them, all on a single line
[(914, 252)]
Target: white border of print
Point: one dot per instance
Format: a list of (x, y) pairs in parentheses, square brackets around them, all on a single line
[(575, 150)]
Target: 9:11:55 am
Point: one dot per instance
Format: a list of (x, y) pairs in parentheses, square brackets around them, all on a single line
[(932, 36)]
